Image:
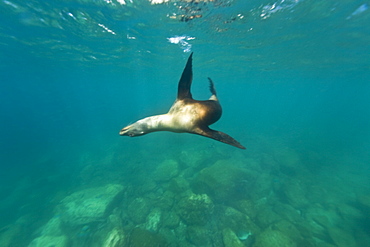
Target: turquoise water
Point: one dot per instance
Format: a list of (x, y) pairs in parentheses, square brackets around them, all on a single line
[(293, 80)]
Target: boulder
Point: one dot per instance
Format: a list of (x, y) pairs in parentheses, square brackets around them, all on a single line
[(166, 170), (266, 216), (195, 209), (144, 238), (349, 213), (89, 205), (153, 220), (341, 237), (273, 238), (294, 191), (238, 222), (230, 239), (262, 186), (138, 209), (195, 157), (289, 230), (165, 201), (148, 186), (52, 227), (325, 217), (287, 212), (115, 238), (288, 160), (198, 235), (49, 241), (178, 185), (223, 181), (268, 162), (170, 237), (246, 207), (170, 220)]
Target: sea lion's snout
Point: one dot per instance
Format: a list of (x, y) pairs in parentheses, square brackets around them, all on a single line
[(132, 130), (124, 131)]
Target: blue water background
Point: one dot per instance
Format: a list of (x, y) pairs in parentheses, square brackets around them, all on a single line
[(298, 75)]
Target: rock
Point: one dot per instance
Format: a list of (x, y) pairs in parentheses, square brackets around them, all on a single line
[(287, 212), (49, 241), (310, 229), (193, 158), (180, 231), (268, 163), (230, 239), (153, 220), (115, 219), (89, 205), (341, 238), (198, 236), (317, 220), (138, 209), (324, 217), (170, 220), (51, 234), (262, 187), (349, 213), (195, 209), (148, 186), (294, 191), (10, 234), (246, 207), (288, 160), (223, 182), (188, 173), (170, 236), (166, 170), (273, 238), (266, 217), (115, 238), (178, 185), (144, 238), (166, 200), (237, 222), (289, 230), (53, 227)]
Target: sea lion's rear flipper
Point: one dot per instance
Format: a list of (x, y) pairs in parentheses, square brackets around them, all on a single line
[(185, 81), (212, 87), (219, 136)]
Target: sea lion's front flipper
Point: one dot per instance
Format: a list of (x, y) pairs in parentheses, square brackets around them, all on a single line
[(185, 80), (219, 136)]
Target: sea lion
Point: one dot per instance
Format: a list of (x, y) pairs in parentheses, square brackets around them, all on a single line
[(186, 114)]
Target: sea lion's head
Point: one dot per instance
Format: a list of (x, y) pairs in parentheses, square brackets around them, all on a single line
[(135, 129)]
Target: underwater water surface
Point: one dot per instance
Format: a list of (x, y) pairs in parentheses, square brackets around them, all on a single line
[(292, 77)]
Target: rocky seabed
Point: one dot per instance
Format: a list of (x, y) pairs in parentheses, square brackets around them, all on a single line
[(270, 200)]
